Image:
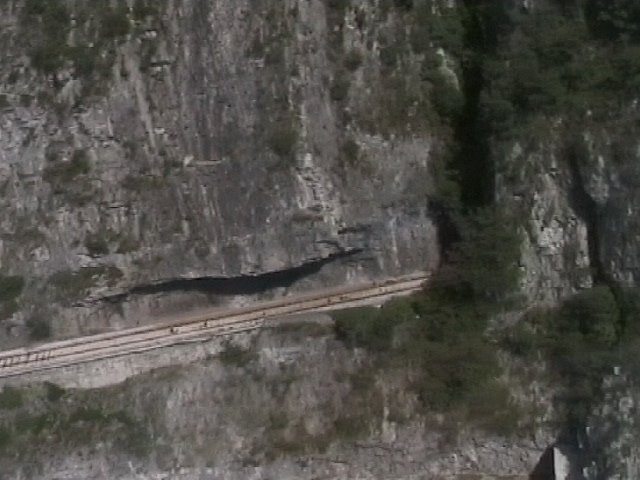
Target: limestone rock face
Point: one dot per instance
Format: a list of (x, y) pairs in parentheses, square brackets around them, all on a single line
[(579, 197), (213, 142)]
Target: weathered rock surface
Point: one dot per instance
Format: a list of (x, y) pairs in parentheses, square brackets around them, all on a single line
[(210, 147)]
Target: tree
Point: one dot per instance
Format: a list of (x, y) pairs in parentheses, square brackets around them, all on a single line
[(486, 258)]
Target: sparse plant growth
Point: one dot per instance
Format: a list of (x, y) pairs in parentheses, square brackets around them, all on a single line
[(10, 398), (84, 45), (350, 151), (439, 332), (54, 392), (143, 9), (353, 60), (339, 89), (127, 243), (71, 285), (11, 287), (143, 183), (304, 329), (115, 23), (283, 138), (78, 420), (60, 173), (51, 20), (7, 309), (96, 244), (234, 355), (5, 438), (582, 339), (39, 329)]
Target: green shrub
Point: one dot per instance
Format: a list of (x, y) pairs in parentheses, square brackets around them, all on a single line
[(114, 23), (143, 9), (11, 287), (32, 424), (96, 244), (5, 437), (486, 258), (48, 58), (54, 392), (50, 20), (8, 308), (39, 329), (520, 340), (63, 172), (143, 183), (234, 355), (447, 100), (339, 5), (390, 53), (364, 327), (350, 151), (339, 89), (10, 398), (454, 372), (83, 59), (353, 60), (283, 138), (594, 314), (71, 285)]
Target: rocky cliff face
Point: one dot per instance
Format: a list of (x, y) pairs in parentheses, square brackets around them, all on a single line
[(162, 155), (578, 195), (153, 141)]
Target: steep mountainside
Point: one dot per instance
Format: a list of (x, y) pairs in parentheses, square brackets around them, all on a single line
[(163, 155)]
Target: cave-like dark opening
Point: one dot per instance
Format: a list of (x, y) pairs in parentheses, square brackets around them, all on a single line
[(237, 285)]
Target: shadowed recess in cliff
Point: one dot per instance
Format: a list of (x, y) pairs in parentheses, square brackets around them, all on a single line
[(586, 208), (239, 285)]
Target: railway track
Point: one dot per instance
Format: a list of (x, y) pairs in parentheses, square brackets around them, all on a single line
[(194, 328)]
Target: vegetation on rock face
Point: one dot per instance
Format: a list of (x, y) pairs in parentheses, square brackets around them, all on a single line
[(440, 332), (11, 287), (79, 38), (60, 173), (583, 339), (34, 416), (283, 138), (39, 328), (71, 285)]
